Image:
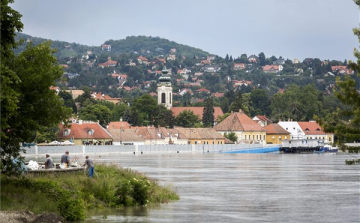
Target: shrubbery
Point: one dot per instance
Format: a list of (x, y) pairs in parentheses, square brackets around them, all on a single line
[(73, 193)]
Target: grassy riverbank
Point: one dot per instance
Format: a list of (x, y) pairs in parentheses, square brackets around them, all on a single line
[(70, 194)]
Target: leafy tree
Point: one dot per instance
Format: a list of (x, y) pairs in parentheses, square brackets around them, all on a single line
[(260, 102), (163, 117), (31, 105), (96, 112), (262, 59), (187, 119), (145, 106), (231, 136), (346, 123), (118, 111), (237, 104), (208, 113), (68, 100)]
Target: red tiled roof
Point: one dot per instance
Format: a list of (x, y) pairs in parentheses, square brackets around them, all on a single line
[(196, 110), (275, 129), (335, 68), (238, 121), (311, 128), (118, 125), (270, 67), (202, 90), (152, 94), (263, 118), (218, 94), (79, 131)]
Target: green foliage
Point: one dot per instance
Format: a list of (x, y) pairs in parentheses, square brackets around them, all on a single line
[(70, 194), (153, 44), (231, 136), (297, 103), (38, 106), (96, 112), (187, 119), (68, 100), (208, 113), (237, 104), (260, 102)]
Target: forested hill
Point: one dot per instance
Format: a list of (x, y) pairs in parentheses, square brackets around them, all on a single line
[(153, 46), (64, 49)]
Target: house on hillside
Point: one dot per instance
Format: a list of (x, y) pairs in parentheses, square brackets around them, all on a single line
[(211, 68), (247, 130), (75, 93), (272, 68), (239, 66), (109, 63), (253, 59), (279, 62), (106, 47), (103, 97)]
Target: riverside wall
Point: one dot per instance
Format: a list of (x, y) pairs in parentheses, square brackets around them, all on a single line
[(138, 149)]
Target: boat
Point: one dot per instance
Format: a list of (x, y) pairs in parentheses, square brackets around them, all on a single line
[(301, 146), (329, 149)]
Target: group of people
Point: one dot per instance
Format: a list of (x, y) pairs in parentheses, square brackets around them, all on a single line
[(65, 160)]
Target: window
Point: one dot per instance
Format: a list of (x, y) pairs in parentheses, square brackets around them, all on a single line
[(163, 98), (67, 132)]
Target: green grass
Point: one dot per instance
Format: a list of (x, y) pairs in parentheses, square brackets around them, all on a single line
[(70, 194)]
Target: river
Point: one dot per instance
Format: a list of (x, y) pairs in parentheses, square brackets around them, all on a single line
[(245, 188)]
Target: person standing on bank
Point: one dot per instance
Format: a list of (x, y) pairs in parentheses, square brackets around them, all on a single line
[(90, 166), (49, 162), (65, 159)]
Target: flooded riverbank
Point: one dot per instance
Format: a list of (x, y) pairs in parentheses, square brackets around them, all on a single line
[(245, 188)]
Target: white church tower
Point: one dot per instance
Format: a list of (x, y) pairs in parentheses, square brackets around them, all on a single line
[(164, 90)]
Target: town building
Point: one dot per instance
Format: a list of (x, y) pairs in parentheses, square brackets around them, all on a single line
[(85, 133), (164, 90), (247, 130), (202, 135), (275, 134), (262, 120)]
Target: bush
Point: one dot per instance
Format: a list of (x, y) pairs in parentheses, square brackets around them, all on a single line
[(73, 193)]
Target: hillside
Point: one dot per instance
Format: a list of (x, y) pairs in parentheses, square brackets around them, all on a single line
[(155, 45), (134, 44)]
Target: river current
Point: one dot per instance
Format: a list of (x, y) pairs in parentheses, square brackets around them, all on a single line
[(245, 188)]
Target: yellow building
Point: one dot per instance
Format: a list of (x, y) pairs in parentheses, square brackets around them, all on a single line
[(275, 134), (247, 130)]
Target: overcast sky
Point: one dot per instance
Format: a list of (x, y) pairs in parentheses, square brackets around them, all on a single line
[(289, 28)]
